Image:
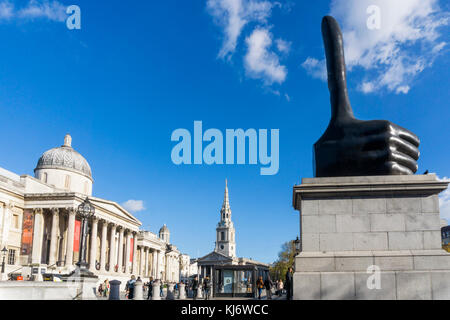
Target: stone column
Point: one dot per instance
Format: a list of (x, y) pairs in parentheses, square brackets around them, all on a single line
[(141, 262), (93, 251), (154, 262), (37, 235), (70, 237), (120, 262), (135, 263), (146, 262), (112, 248), (103, 246), (54, 236), (158, 264), (127, 252)]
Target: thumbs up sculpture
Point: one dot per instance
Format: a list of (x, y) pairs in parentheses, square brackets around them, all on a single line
[(351, 147)]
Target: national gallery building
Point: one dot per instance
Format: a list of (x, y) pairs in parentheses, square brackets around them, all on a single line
[(40, 229)]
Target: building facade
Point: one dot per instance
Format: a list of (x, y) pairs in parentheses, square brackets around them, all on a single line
[(40, 227)]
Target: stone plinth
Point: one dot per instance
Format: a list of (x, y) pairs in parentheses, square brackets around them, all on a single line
[(352, 223)]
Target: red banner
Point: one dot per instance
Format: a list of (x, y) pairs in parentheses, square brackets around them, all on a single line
[(131, 249), (76, 237), (27, 232)]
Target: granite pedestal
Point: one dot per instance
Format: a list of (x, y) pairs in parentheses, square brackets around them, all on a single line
[(358, 231)]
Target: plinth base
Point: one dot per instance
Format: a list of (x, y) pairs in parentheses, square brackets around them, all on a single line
[(388, 275), (371, 238)]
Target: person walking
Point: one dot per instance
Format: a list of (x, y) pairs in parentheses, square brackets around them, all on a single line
[(280, 287), (129, 287), (195, 287), (150, 288), (207, 287), (268, 284), (106, 288), (260, 286), (288, 284)]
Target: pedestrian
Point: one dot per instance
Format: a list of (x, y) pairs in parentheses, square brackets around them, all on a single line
[(150, 288), (207, 287), (268, 284), (280, 287), (195, 287), (260, 286), (288, 284), (100, 290), (106, 288), (129, 287)]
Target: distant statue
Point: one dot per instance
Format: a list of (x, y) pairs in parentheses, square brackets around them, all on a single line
[(351, 147)]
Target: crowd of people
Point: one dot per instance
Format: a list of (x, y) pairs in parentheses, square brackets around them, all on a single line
[(192, 287)]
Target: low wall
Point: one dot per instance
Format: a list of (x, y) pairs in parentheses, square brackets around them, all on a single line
[(38, 290)]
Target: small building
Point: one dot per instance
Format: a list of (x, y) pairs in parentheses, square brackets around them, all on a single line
[(230, 276)]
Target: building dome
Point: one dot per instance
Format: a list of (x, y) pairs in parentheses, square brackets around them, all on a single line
[(164, 234), (65, 169), (164, 229), (65, 158)]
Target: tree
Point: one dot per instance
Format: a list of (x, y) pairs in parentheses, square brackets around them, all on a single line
[(285, 260)]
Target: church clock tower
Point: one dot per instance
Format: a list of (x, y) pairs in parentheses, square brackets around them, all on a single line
[(225, 243)]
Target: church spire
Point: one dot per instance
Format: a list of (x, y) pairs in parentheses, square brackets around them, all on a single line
[(226, 198)]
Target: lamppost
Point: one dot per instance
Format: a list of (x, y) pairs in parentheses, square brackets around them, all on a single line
[(4, 252), (86, 210), (298, 246)]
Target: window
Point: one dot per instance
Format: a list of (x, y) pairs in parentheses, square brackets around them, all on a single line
[(44, 177), (222, 236), (15, 221), (67, 184), (11, 257)]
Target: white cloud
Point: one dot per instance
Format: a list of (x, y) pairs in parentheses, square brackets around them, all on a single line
[(260, 62), (233, 15), (6, 10), (48, 10), (444, 202), (283, 46), (134, 205), (406, 44), (315, 68)]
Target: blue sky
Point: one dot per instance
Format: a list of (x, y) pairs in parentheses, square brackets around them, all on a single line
[(134, 73)]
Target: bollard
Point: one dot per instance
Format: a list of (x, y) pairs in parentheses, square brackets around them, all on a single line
[(170, 292), (138, 290), (114, 290), (182, 291), (199, 292), (155, 290)]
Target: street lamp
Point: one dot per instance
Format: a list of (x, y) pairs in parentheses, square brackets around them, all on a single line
[(85, 210), (4, 252), (298, 246)]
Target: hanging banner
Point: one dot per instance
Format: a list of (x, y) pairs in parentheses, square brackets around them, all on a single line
[(27, 232), (76, 237), (131, 249)]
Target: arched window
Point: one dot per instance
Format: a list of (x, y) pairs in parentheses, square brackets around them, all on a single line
[(44, 177)]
